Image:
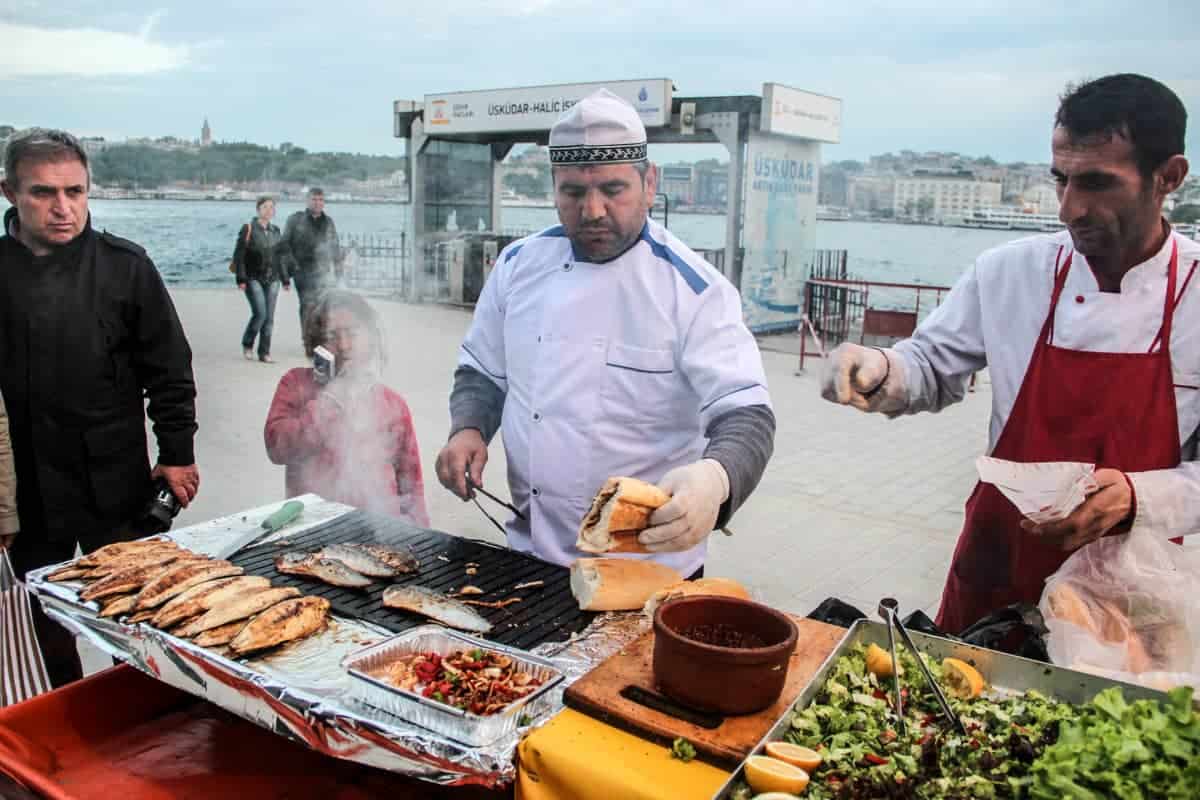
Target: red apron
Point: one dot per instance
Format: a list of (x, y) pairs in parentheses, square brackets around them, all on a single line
[(1115, 410)]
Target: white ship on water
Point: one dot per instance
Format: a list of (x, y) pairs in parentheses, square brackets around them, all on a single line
[(1006, 219)]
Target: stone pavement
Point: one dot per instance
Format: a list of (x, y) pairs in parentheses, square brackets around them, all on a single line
[(852, 505)]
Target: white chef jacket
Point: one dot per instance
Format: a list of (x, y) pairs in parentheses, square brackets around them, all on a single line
[(608, 369), (994, 314)]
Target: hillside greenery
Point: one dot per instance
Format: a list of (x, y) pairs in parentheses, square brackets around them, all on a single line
[(142, 166)]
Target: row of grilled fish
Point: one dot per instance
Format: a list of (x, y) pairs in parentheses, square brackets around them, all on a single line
[(353, 566), (193, 596)]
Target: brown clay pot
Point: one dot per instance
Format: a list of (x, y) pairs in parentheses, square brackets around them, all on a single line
[(727, 680)]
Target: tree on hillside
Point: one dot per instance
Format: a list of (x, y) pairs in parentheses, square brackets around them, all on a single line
[(1186, 213)]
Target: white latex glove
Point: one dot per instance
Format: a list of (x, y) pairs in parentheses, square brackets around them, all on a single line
[(697, 491), (866, 378)]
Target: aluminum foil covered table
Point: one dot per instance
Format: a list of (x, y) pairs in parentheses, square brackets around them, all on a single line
[(301, 692)]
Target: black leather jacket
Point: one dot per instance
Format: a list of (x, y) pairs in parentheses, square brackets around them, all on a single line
[(86, 334)]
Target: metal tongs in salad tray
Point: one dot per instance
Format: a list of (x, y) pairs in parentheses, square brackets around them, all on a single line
[(888, 609)]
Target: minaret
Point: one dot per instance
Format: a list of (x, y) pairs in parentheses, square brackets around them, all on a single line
[(205, 134)]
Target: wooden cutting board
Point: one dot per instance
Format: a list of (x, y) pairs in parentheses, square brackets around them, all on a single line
[(724, 741)]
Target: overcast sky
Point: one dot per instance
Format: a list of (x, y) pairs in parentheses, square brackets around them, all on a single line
[(977, 77)]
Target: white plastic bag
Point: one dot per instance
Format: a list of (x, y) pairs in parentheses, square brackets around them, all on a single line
[(22, 671), (1127, 607)]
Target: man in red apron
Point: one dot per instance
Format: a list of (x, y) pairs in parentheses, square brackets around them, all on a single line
[(1092, 341)]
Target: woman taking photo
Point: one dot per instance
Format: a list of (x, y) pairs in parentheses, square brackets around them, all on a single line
[(339, 431), (259, 275)]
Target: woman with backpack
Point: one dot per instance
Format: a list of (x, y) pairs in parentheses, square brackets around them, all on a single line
[(259, 275)]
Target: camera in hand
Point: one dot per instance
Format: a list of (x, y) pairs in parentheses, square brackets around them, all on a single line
[(160, 512), (324, 365)]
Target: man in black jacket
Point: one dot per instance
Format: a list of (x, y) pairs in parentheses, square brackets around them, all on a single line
[(310, 252), (87, 332)]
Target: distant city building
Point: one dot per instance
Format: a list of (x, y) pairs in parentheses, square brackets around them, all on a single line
[(1041, 198), (678, 182), (833, 188), (871, 194), (205, 134), (933, 195), (712, 185)]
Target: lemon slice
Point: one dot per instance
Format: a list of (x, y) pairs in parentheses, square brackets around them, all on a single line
[(963, 680), (879, 662), (766, 774), (805, 758)]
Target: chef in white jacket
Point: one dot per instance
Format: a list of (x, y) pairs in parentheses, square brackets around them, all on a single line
[(605, 346), (1092, 340)]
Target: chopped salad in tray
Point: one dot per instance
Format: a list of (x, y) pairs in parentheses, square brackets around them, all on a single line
[(478, 681), (846, 744)]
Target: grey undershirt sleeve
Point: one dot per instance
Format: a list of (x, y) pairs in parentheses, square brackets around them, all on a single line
[(742, 441), (475, 402)]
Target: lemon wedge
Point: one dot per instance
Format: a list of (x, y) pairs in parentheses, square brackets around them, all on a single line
[(766, 774), (879, 662), (805, 758), (963, 680)]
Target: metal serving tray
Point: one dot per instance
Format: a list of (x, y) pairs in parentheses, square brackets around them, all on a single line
[(1006, 675), (461, 726)]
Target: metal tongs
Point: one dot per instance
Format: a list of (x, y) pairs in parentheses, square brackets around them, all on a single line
[(473, 487), (888, 609)]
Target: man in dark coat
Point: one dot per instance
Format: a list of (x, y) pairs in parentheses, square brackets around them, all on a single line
[(87, 334), (310, 252)]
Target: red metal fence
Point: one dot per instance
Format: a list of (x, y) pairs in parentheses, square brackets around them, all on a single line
[(838, 308)]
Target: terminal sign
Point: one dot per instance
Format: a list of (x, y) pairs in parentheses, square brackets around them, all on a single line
[(537, 108), (804, 115)]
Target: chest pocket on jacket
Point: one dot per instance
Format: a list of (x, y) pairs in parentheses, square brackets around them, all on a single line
[(640, 384)]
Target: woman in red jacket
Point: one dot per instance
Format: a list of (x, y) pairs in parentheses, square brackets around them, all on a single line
[(347, 437)]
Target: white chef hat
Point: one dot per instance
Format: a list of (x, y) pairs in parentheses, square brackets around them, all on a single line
[(599, 129)]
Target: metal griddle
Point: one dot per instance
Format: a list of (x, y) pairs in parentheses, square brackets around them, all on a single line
[(545, 614)]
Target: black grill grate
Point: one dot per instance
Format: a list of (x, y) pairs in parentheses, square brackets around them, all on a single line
[(545, 614)]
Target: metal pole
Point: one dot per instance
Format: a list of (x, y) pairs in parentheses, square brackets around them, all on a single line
[(416, 147), (803, 333)]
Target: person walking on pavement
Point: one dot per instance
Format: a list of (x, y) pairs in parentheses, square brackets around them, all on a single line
[(310, 251), (88, 334), (259, 275), (1091, 339)]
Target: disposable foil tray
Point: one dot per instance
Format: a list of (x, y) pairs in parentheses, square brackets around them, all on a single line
[(462, 726)]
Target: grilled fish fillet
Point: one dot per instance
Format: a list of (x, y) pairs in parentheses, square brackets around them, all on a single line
[(176, 581), (446, 610), (284, 622), (398, 558), (118, 606), (116, 549), (246, 605), (124, 581), (148, 558), (335, 573), (68, 573), (215, 637), (200, 598), (357, 559)]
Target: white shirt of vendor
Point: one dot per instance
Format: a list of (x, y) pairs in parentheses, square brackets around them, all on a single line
[(608, 369), (994, 314)]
